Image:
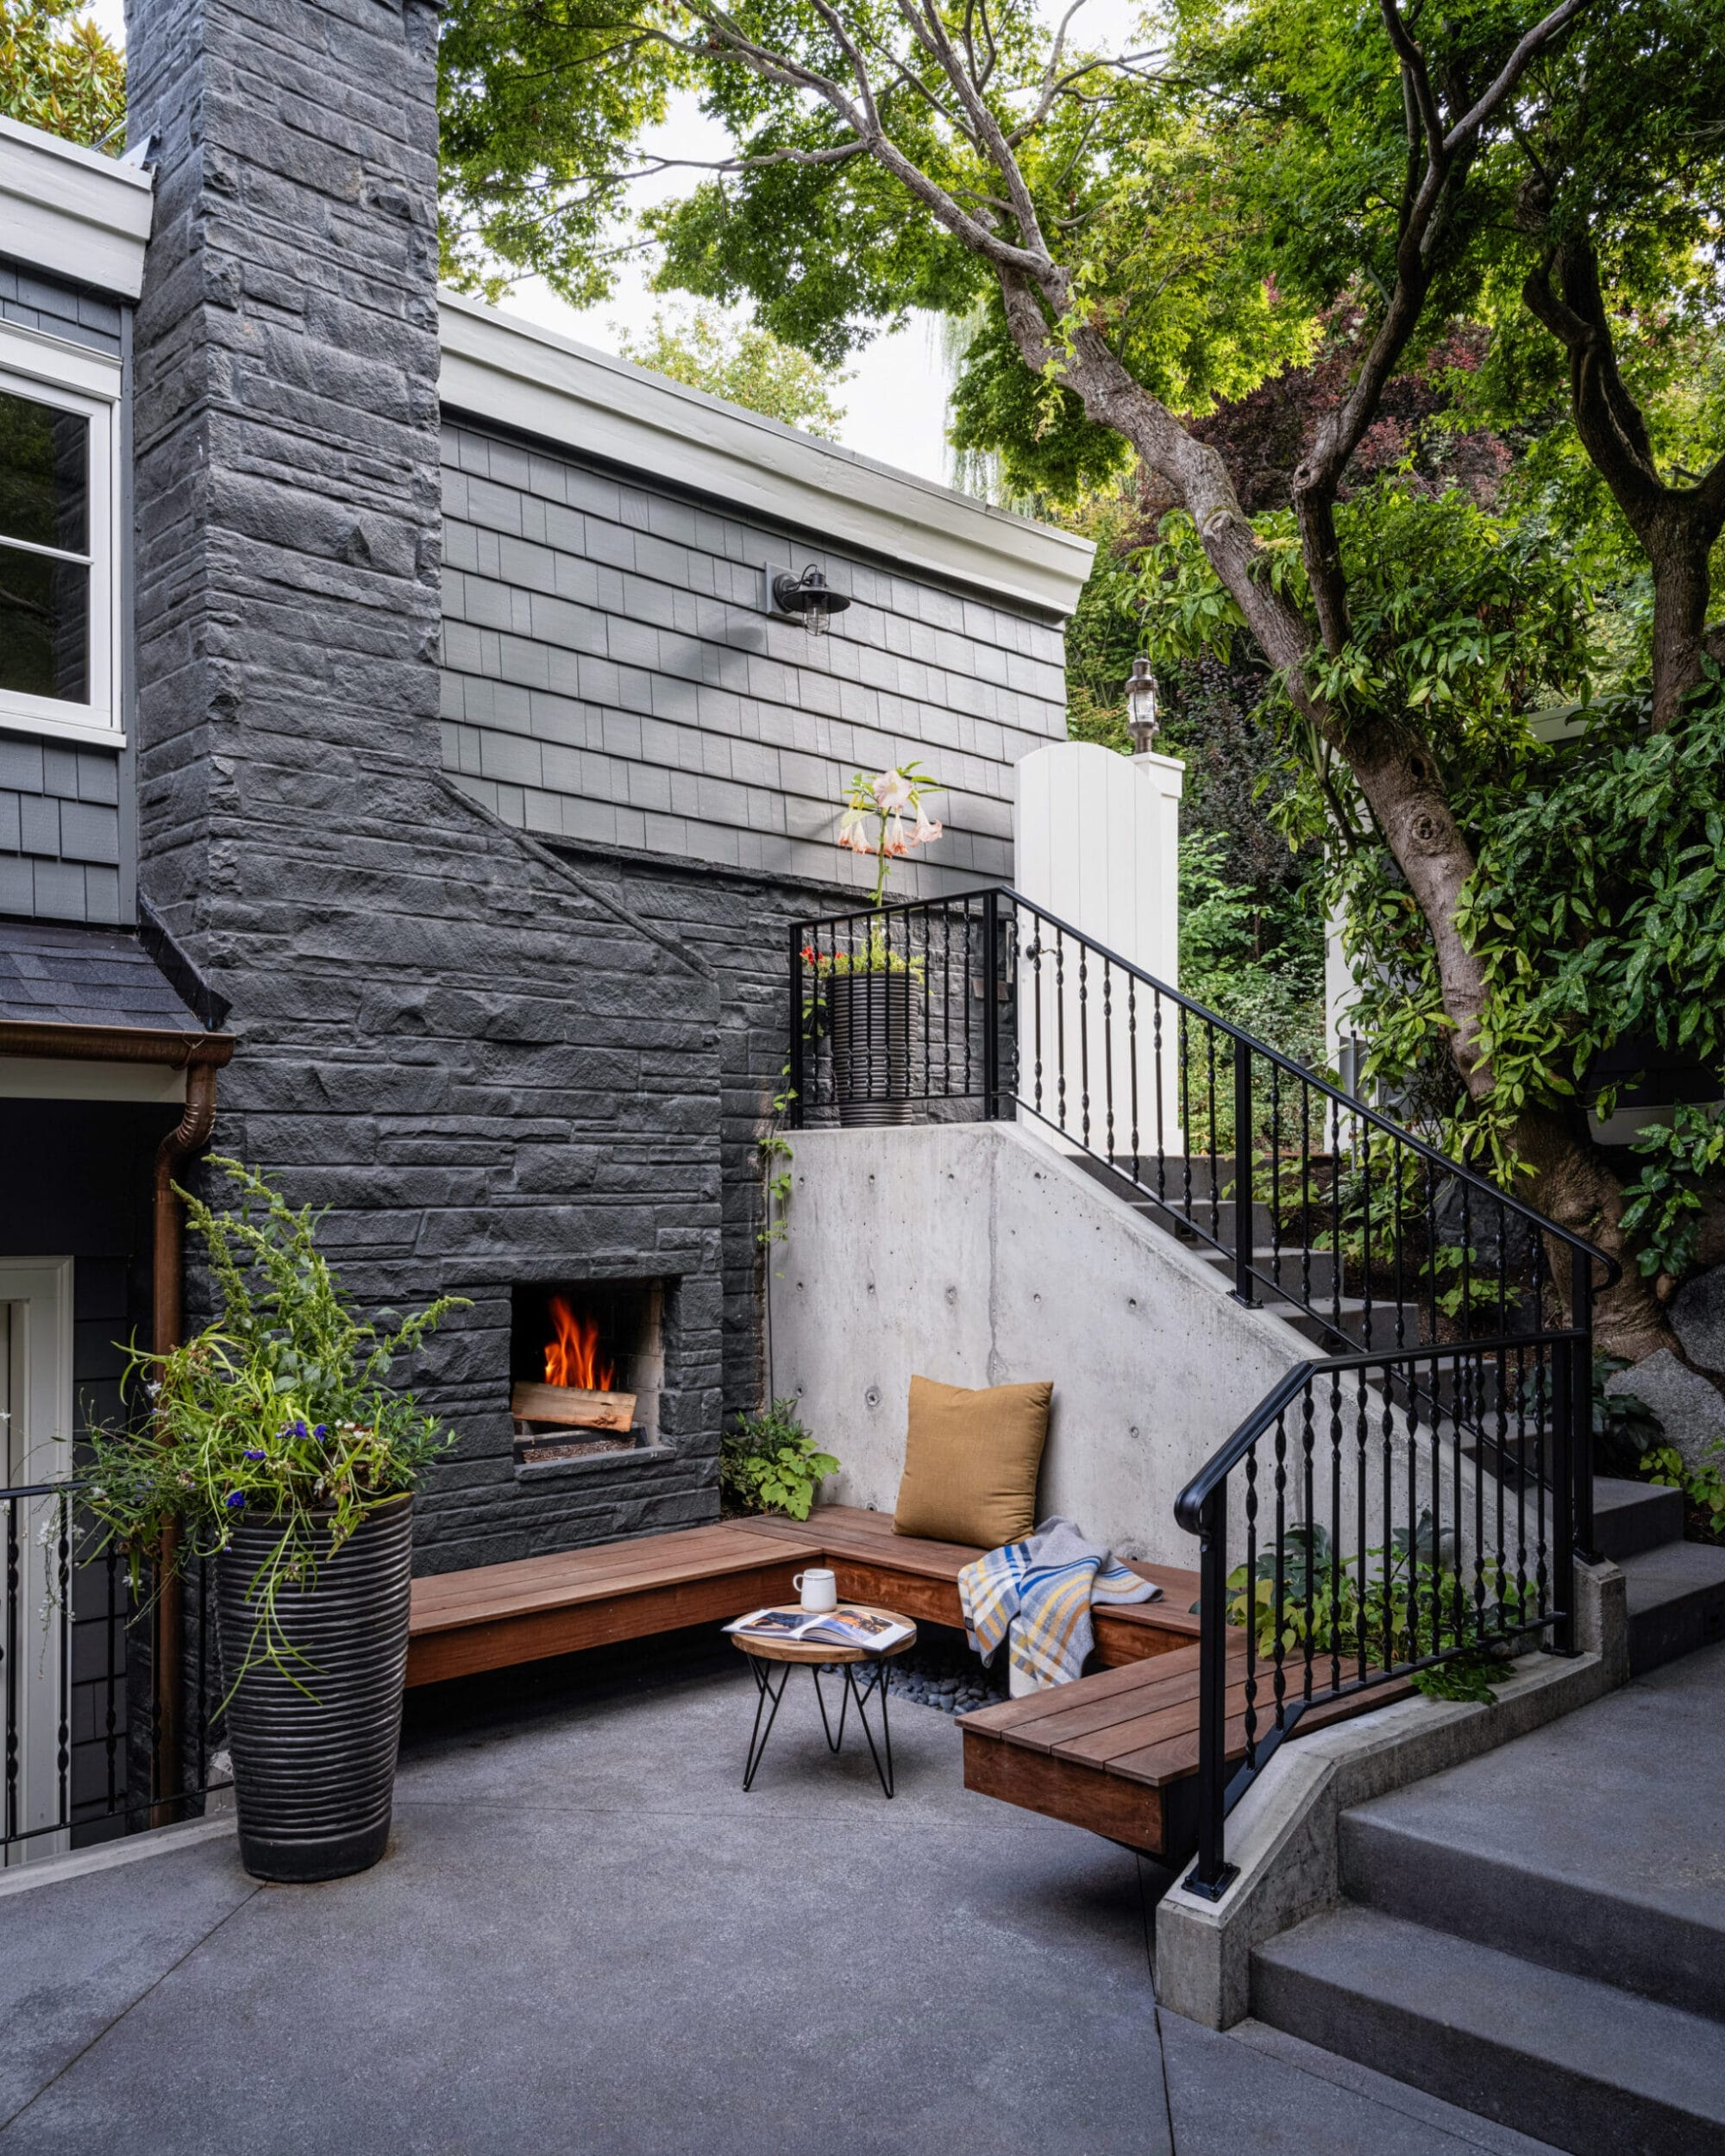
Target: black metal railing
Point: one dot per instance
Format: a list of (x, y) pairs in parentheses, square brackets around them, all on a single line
[(1461, 1315), (79, 1760), (1370, 1546)]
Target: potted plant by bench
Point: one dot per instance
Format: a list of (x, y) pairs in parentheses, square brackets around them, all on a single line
[(864, 992), (275, 1443)]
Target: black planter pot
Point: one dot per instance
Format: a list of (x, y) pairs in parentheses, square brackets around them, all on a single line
[(314, 1778), (869, 1022)]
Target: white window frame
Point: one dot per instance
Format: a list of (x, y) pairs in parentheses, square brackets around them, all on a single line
[(90, 384)]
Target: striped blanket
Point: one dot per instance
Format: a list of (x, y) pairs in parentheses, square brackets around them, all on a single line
[(1036, 1595)]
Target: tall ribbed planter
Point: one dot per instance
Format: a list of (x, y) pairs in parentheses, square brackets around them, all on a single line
[(314, 1777), (868, 1023)]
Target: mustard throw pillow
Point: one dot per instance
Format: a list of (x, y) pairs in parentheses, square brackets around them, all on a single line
[(970, 1463)]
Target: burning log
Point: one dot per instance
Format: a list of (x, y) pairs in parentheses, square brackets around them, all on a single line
[(572, 1407)]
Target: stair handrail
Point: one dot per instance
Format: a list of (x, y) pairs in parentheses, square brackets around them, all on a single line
[(1188, 1506), (1435, 1622), (1435, 1155)]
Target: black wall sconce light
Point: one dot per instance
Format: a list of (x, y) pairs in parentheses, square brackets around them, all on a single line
[(809, 596)]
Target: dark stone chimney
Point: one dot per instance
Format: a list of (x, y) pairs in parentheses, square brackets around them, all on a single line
[(286, 416), (491, 1072)]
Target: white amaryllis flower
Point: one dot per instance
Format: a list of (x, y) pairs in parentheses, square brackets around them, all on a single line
[(853, 831), (892, 792), (893, 839)]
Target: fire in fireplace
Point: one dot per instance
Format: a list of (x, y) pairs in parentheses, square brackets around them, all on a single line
[(572, 1353), (586, 1367)]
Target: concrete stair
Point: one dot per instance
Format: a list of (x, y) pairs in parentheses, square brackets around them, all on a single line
[(1574, 2062), (1676, 1589), (1676, 1595), (1539, 1935)]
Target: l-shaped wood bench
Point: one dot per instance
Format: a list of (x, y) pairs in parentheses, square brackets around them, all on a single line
[(1116, 1751), (496, 1616)]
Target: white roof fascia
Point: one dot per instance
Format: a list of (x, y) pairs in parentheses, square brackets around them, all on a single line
[(498, 368), (72, 211)]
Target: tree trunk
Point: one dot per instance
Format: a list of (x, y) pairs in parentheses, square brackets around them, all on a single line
[(1678, 543), (1400, 780)]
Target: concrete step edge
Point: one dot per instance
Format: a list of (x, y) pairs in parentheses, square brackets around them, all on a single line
[(1574, 2062), (1534, 1911)]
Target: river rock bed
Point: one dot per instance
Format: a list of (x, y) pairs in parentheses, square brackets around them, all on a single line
[(941, 1672)]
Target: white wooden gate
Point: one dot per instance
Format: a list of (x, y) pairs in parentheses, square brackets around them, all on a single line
[(1096, 841)]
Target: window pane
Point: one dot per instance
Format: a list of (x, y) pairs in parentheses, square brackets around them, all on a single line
[(44, 460), (44, 626)]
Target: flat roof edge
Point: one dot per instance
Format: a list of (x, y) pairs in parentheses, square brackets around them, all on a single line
[(73, 212), (538, 382)]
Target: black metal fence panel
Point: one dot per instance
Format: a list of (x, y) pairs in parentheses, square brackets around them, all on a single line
[(78, 1760)]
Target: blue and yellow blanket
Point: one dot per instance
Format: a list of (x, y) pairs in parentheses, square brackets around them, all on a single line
[(1036, 1595)]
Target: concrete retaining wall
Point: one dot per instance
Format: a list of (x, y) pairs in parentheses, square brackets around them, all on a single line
[(976, 1254)]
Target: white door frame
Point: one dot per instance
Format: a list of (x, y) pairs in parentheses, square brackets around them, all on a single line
[(36, 1398)]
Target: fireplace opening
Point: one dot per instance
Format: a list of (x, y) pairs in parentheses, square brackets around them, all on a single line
[(587, 1366)]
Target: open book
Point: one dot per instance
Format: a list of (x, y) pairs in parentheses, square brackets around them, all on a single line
[(862, 1628)]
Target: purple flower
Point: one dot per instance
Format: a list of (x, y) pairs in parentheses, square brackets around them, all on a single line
[(299, 1429), (323, 1429), (235, 1499), (251, 1454)]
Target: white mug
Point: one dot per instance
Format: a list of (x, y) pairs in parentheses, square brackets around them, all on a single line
[(818, 1588)]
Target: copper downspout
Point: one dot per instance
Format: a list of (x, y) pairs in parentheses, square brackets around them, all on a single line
[(192, 1131)]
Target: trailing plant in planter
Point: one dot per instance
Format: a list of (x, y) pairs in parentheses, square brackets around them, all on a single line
[(275, 1444)]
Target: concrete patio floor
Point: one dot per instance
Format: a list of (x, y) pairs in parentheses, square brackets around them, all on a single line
[(585, 1938)]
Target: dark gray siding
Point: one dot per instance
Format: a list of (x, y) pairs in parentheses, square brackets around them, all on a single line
[(35, 301), (610, 676), (59, 830)]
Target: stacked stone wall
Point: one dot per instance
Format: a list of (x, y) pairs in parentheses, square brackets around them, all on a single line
[(488, 1068)]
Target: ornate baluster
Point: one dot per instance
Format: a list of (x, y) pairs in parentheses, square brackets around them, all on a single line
[(1084, 1046)]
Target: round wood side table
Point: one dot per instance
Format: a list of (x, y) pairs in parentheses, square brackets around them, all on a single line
[(767, 1655)]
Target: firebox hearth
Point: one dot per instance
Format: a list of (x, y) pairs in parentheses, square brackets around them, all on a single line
[(586, 1367)]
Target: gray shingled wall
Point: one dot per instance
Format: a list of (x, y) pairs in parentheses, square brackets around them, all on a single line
[(612, 682), (610, 676), (59, 830), (491, 1073), (35, 301), (59, 817)]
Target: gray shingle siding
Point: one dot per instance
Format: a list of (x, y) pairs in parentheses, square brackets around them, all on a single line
[(610, 676), (59, 830), (34, 300)]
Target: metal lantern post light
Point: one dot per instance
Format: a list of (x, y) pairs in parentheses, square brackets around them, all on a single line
[(809, 595), (1141, 715)]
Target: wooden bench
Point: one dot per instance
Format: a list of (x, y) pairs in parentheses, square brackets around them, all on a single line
[(1118, 1751), (920, 1577), (495, 1616)]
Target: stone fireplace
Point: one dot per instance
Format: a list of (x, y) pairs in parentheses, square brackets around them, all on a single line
[(587, 1368)]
